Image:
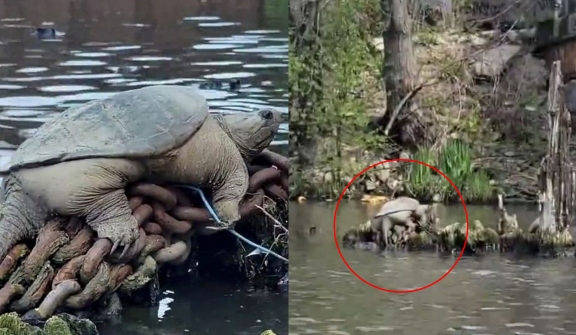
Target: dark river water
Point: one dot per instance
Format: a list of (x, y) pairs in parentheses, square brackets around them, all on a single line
[(104, 46), (494, 294)]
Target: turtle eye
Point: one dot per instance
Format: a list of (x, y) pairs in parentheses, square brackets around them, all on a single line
[(267, 114)]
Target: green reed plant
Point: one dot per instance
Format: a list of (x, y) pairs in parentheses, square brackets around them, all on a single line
[(454, 160), (478, 188), (422, 179), (419, 173)]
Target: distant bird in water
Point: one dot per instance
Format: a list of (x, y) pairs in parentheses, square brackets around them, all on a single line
[(43, 33), (47, 33), (218, 85)]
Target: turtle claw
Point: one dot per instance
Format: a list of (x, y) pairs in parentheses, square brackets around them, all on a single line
[(114, 247), (121, 235), (228, 224), (125, 251)]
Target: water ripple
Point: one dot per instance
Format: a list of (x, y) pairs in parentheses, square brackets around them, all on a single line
[(148, 58), (218, 24), (214, 46), (66, 88), (32, 70), (92, 54), (201, 18), (122, 48), (491, 294), (27, 101), (82, 62), (230, 75)]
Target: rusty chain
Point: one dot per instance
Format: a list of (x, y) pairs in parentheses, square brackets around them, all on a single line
[(70, 267)]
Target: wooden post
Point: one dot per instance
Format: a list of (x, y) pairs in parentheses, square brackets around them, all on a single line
[(556, 180)]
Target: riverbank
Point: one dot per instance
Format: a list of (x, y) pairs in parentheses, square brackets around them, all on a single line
[(479, 114), (455, 173)]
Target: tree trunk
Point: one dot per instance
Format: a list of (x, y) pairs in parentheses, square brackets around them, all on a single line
[(399, 59), (304, 38)]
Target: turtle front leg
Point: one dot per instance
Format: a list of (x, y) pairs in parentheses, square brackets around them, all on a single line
[(110, 216), (90, 188), (227, 198), (386, 227)]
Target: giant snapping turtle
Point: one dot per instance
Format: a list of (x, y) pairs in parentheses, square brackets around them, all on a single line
[(79, 163), (399, 212)]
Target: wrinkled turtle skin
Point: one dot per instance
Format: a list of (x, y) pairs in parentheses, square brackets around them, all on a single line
[(79, 163)]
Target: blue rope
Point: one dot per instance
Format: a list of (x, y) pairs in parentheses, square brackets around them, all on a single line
[(232, 231)]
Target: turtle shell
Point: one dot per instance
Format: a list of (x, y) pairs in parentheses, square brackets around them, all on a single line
[(138, 123), (398, 204)]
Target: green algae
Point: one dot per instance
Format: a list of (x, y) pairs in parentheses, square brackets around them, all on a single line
[(62, 324)]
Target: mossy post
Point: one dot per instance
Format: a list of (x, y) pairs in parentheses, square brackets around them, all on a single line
[(556, 179)]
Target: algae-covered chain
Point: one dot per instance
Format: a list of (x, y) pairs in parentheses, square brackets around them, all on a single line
[(85, 271)]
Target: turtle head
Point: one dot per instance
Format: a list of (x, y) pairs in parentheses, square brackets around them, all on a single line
[(252, 132)]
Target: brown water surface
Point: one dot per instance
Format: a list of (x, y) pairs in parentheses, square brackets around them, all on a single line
[(492, 294)]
